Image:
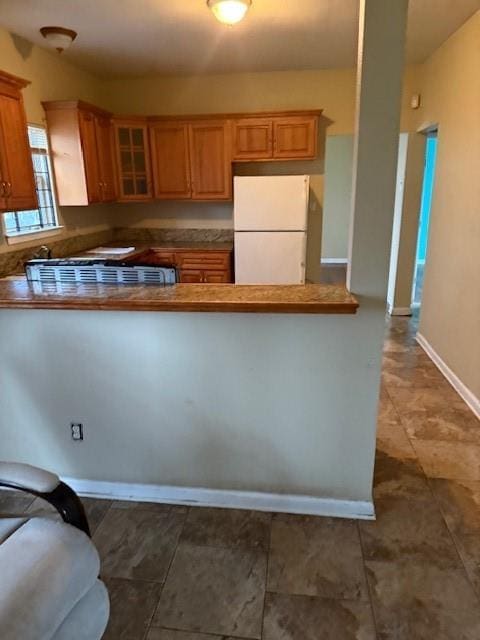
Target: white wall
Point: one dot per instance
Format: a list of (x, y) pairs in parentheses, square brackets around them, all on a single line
[(405, 224), (397, 217)]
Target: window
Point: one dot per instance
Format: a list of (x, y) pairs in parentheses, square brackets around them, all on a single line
[(45, 217)]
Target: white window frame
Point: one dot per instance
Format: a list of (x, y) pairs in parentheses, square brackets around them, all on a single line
[(24, 235)]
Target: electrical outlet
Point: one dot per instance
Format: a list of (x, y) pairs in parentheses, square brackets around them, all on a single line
[(77, 430)]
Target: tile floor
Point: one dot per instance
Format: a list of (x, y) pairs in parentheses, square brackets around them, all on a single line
[(177, 573)]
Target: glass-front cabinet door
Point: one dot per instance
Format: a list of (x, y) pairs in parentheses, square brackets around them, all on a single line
[(133, 160)]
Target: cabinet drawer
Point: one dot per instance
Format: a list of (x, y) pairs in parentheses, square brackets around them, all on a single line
[(162, 257), (206, 276), (213, 277), (154, 258), (208, 260)]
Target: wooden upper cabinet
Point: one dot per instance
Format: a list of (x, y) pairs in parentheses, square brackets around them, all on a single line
[(252, 138), (3, 172), (90, 157), (106, 158), (165, 157), (295, 137), (133, 160), (17, 183), (210, 161), (191, 160), (82, 146), (170, 160), (288, 136)]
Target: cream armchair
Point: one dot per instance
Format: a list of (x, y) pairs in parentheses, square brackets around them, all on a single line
[(49, 586)]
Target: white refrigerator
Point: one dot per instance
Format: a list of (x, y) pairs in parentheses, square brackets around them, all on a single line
[(270, 229)]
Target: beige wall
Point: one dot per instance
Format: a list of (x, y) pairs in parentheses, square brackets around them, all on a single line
[(226, 401), (52, 78), (450, 315), (331, 90), (337, 197)]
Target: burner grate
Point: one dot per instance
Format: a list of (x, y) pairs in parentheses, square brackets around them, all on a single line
[(100, 274)]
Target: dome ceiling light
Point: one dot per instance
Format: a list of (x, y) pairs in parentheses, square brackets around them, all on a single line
[(229, 11), (58, 38)]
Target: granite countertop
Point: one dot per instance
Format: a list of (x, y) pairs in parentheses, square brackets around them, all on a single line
[(140, 249), (17, 293), (192, 246)]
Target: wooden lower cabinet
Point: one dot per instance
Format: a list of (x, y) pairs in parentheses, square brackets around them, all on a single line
[(162, 257), (191, 276), (195, 267), (217, 277), (210, 260), (197, 276)]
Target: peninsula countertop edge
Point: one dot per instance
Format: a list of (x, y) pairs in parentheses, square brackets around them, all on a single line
[(17, 293)]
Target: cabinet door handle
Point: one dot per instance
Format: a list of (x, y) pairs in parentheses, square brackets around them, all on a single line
[(4, 186), (9, 189)]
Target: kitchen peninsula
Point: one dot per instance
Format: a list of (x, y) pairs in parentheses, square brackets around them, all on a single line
[(17, 293), (208, 265)]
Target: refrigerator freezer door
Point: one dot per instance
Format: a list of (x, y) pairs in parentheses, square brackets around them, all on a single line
[(270, 257), (270, 203)]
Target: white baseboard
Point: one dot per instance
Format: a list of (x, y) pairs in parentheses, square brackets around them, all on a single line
[(284, 503), (339, 261), (469, 397), (399, 311)]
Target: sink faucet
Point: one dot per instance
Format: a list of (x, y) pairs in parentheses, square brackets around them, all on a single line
[(43, 253)]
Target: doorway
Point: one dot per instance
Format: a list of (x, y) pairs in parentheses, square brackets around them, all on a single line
[(424, 219)]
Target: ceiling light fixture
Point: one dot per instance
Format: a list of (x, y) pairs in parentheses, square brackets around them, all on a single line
[(58, 37), (229, 11)]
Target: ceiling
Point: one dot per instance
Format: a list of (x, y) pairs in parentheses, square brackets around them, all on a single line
[(145, 37)]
